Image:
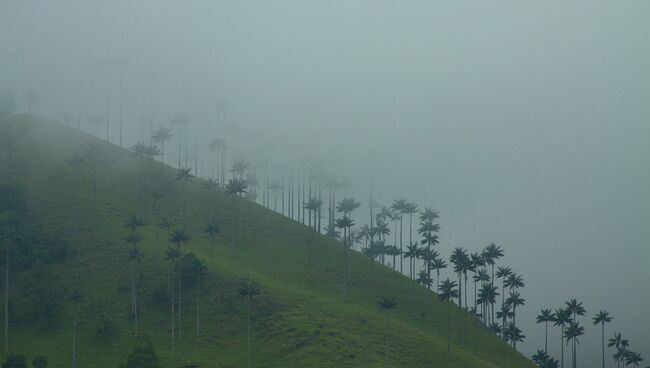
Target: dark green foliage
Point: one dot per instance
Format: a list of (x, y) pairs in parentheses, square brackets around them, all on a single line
[(187, 265), (41, 296), (143, 356), (105, 329), (15, 361), (40, 361)]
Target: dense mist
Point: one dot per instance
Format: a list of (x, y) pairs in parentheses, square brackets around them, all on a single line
[(523, 123)]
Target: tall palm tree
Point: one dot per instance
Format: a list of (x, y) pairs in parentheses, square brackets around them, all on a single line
[(545, 317), (345, 223), (410, 209), (76, 298), (313, 207), (180, 122), (411, 254), (173, 254), (447, 292), (487, 295), (238, 168), (438, 264), (513, 334), (234, 189), (135, 257), (633, 358), (460, 260), (248, 291), (199, 267), (571, 334), (601, 318), (621, 345), (576, 310), (212, 229), (179, 237), (161, 136), (387, 304), (562, 319), (503, 273), (399, 209), (515, 300)]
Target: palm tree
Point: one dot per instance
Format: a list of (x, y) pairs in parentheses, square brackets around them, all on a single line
[(503, 273), (76, 298), (179, 237), (513, 334), (487, 295), (621, 345), (387, 304), (447, 292), (411, 254), (199, 267), (515, 300), (135, 257), (133, 222), (438, 264), (212, 229), (313, 207), (460, 260), (633, 358), (235, 188), (410, 209), (545, 317), (562, 319), (572, 333), (601, 318), (399, 208), (576, 310), (180, 122), (248, 290), (238, 168), (161, 136), (345, 223), (173, 254)]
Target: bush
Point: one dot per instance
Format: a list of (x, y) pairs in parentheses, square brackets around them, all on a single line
[(40, 361), (15, 361), (105, 329), (143, 356)]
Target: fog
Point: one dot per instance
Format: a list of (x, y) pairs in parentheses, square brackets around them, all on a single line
[(524, 123)]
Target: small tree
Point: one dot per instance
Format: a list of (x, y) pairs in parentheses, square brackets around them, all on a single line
[(40, 361), (15, 361), (143, 356)]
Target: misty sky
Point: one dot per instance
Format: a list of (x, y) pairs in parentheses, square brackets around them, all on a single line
[(525, 123)]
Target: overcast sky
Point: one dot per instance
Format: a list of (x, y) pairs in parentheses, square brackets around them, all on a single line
[(525, 123)]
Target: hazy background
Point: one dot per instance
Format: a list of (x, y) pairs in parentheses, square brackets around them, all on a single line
[(525, 123)]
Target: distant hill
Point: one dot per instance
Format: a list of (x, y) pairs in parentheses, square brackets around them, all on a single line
[(300, 318)]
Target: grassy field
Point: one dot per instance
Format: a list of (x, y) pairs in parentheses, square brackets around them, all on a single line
[(300, 319)]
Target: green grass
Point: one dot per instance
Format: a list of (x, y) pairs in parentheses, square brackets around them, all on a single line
[(298, 320)]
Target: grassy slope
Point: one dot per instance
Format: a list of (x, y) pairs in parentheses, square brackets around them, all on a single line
[(298, 321)]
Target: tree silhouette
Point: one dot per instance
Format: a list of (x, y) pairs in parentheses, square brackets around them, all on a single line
[(562, 319), (248, 291), (447, 292), (179, 237), (199, 267), (460, 260), (601, 318), (161, 136), (234, 189), (399, 209), (387, 304), (173, 254), (572, 334), (212, 229), (545, 316)]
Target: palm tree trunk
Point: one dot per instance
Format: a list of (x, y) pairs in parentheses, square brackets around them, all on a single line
[(562, 346), (603, 341), (74, 344), (546, 337), (401, 249), (198, 303), (180, 298), (387, 331), (6, 298), (248, 341), (173, 316)]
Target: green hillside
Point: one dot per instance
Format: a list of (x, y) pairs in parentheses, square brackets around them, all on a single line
[(301, 318)]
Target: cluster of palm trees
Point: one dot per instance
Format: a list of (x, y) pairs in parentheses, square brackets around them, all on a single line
[(566, 319), (305, 192)]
